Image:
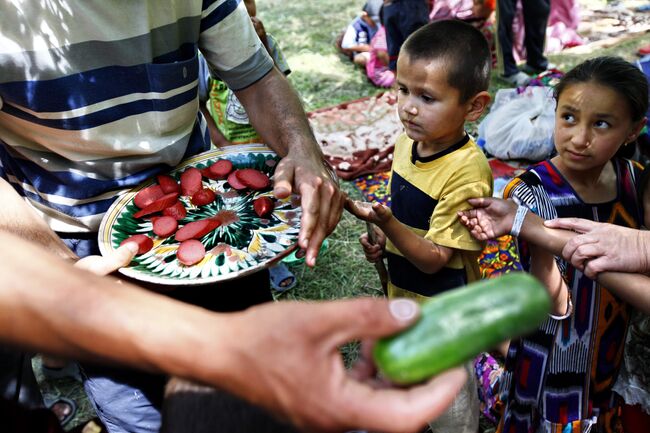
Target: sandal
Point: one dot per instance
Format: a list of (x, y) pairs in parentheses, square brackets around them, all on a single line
[(64, 409), (281, 278)]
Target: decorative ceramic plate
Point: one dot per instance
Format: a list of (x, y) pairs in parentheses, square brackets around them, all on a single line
[(243, 244)]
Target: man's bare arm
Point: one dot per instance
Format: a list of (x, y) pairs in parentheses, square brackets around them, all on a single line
[(48, 305), (17, 217)]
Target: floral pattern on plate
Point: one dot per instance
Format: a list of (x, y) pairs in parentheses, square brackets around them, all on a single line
[(243, 244)]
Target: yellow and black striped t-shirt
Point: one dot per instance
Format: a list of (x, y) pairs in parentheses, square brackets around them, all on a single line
[(426, 194)]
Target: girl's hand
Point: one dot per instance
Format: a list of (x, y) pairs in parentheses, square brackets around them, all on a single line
[(373, 252), (490, 218), (375, 213)]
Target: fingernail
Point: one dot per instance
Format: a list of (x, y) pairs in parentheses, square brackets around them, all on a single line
[(132, 247), (403, 309)]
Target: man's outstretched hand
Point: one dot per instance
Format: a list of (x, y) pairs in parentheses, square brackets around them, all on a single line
[(297, 371), (320, 196)]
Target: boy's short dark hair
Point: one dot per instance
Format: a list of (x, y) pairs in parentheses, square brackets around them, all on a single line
[(462, 47)]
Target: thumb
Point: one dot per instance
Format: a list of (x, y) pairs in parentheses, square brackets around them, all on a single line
[(369, 318), (478, 202), (104, 265), (283, 179)]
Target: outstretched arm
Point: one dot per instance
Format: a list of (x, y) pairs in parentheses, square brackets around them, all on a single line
[(276, 113), (48, 305), (493, 217), (424, 254)]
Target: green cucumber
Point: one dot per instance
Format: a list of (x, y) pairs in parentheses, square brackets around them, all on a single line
[(457, 325)]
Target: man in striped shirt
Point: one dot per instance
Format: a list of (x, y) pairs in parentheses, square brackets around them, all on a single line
[(96, 97)]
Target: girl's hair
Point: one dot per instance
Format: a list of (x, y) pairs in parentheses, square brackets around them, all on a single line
[(613, 72)]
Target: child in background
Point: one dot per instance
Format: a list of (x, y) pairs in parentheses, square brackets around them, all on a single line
[(355, 42), (560, 378), (377, 67), (228, 122), (436, 168)]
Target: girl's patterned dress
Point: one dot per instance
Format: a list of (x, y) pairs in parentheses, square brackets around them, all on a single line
[(559, 379)]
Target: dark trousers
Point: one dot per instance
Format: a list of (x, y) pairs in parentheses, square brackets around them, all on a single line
[(401, 18), (536, 14)]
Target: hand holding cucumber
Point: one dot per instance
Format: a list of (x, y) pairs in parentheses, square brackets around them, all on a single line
[(301, 367)]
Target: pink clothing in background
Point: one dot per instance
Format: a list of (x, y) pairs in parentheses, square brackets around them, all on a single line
[(561, 31), (378, 72)]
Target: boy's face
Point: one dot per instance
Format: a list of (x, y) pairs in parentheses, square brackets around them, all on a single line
[(429, 108)]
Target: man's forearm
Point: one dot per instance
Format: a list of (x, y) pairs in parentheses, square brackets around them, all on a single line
[(644, 249), (19, 218), (48, 305), (276, 113)]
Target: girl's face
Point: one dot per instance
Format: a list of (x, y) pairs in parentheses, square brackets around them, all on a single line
[(591, 122)]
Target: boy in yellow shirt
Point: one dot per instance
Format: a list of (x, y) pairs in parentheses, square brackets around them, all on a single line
[(443, 73)]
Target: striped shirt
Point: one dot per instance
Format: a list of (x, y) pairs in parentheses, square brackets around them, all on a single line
[(97, 96)]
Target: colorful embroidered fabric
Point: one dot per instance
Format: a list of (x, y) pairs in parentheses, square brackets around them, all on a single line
[(488, 370), (560, 377), (374, 187)]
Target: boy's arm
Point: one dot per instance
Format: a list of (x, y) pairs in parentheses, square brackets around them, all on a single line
[(424, 254)]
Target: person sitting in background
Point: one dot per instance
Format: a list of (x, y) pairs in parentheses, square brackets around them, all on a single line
[(227, 119), (355, 41), (377, 67)]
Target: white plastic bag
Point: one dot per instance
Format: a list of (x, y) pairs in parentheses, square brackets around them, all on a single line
[(520, 125)]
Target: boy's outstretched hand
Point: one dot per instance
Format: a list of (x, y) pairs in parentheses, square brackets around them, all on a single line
[(490, 218), (375, 213)]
